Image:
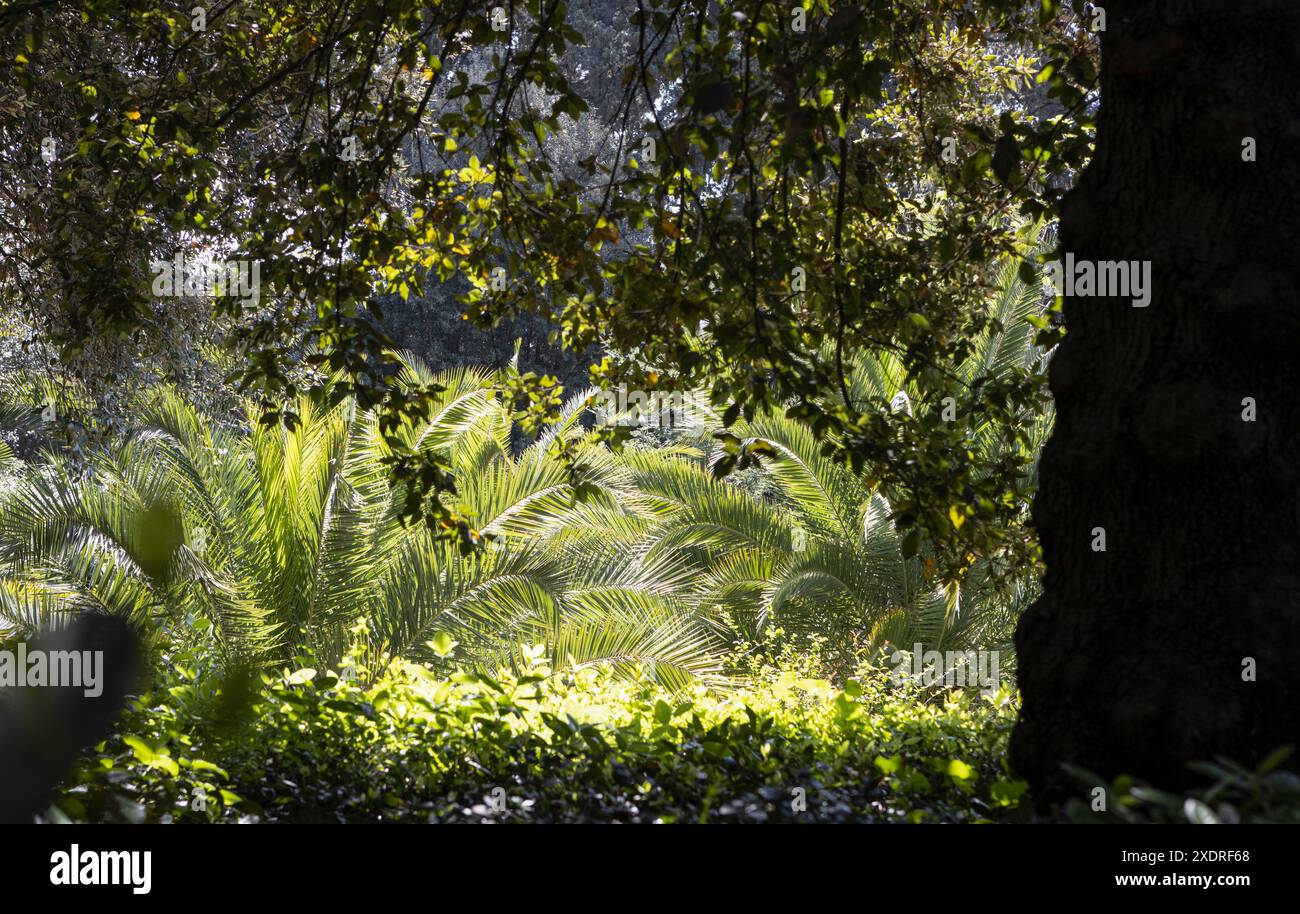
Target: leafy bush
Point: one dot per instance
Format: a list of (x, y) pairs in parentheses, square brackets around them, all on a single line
[(580, 745), (1233, 794)]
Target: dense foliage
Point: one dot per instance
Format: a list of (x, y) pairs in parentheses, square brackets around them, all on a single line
[(784, 745), (826, 172), (591, 641), (449, 585), (263, 542)]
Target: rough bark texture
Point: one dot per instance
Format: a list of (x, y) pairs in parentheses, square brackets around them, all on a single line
[(1132, 662)]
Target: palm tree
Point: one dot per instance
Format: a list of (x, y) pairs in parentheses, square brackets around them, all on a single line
[(824, 556), (288, 537), (275, 543)]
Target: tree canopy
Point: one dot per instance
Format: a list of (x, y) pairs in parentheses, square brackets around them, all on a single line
[(765, 189)]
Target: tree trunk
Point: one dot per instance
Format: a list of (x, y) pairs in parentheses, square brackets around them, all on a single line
[(1138, 659)]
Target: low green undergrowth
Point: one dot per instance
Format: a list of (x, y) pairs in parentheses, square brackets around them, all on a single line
[(416, 745), (1232, 794)]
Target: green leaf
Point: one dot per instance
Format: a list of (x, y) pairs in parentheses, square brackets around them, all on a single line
[(959, 770), (1275, 758), (1008, 793), (1198, 813), (442, 644)]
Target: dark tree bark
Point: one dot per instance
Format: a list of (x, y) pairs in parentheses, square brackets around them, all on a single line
[(1132, 661)]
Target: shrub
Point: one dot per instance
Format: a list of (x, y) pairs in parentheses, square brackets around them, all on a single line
[(1232, 794), (580, 745)]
